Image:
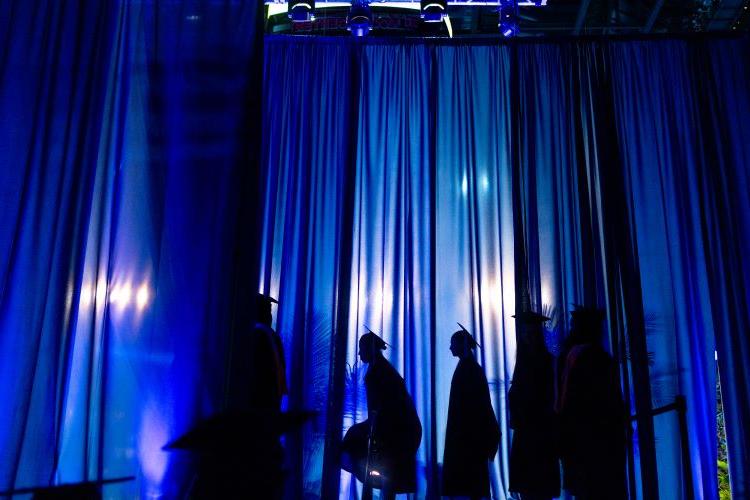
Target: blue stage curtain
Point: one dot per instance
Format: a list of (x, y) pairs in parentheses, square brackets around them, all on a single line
[(486, 177), (661, 135), (307, 130), (617, 203), (725, 200), (472, 259), (318, 134), (127, 232), (52, 91), (408, 185)]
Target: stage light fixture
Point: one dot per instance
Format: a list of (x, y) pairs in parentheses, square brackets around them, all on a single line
[(359, 19), (300, 11), (508, 18), (433, 11)]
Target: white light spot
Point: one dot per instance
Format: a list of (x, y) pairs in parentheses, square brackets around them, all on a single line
[(492, 296), (485, 183), (121, 295), (101, 292), (87, 295), (546, 294), (142, 296), (383, 300), (464, 185)]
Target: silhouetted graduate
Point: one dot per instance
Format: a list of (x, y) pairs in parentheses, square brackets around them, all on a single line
[(592, 414), (472, 434), (267, 384), (534, 461), (381, 451), (247, 462)]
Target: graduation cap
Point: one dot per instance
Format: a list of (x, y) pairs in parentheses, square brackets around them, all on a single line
[(373, 338), (531, 317), (464, 334), (263, 307), (262, 299)]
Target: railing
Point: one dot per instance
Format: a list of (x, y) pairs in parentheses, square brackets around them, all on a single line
[(680, 406), (41, 489)]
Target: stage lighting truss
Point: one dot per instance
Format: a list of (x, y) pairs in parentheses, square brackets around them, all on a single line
[(359, 20), (407, 4), (301, 11)]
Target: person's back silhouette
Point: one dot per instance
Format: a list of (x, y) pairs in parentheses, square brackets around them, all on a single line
[(534, 462), (267, 384), (240, 453), (381, 451), (592, 414), (472, 433)]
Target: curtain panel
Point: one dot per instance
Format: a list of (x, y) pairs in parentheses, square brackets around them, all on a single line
[(468, 179), (128, 184)]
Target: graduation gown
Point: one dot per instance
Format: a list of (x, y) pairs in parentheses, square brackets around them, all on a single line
[(534, 456), (395, 431), (593, 425), (267, 382), (472, 434)]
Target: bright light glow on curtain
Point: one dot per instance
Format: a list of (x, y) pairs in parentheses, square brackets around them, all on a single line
[(393, 288), (127, 128)]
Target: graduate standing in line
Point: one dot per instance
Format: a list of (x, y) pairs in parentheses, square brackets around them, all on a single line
[(240, 453), (534, 461), (592, 414), (472, 434), (268, 377), (382, 451)]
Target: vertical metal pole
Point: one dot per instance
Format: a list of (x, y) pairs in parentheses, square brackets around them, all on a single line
[(687, 466)]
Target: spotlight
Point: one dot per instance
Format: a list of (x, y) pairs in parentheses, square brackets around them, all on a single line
[(300, 11), (508, 20), (433, 11), (359, 20)]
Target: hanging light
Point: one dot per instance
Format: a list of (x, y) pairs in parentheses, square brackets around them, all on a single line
[(433, 11), (359, 19), (508, 18), (300, 11)]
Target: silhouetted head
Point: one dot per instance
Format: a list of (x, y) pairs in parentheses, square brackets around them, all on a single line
[(531, 329), (263, 309), (462, 344), (586, 324), (370, 347)]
